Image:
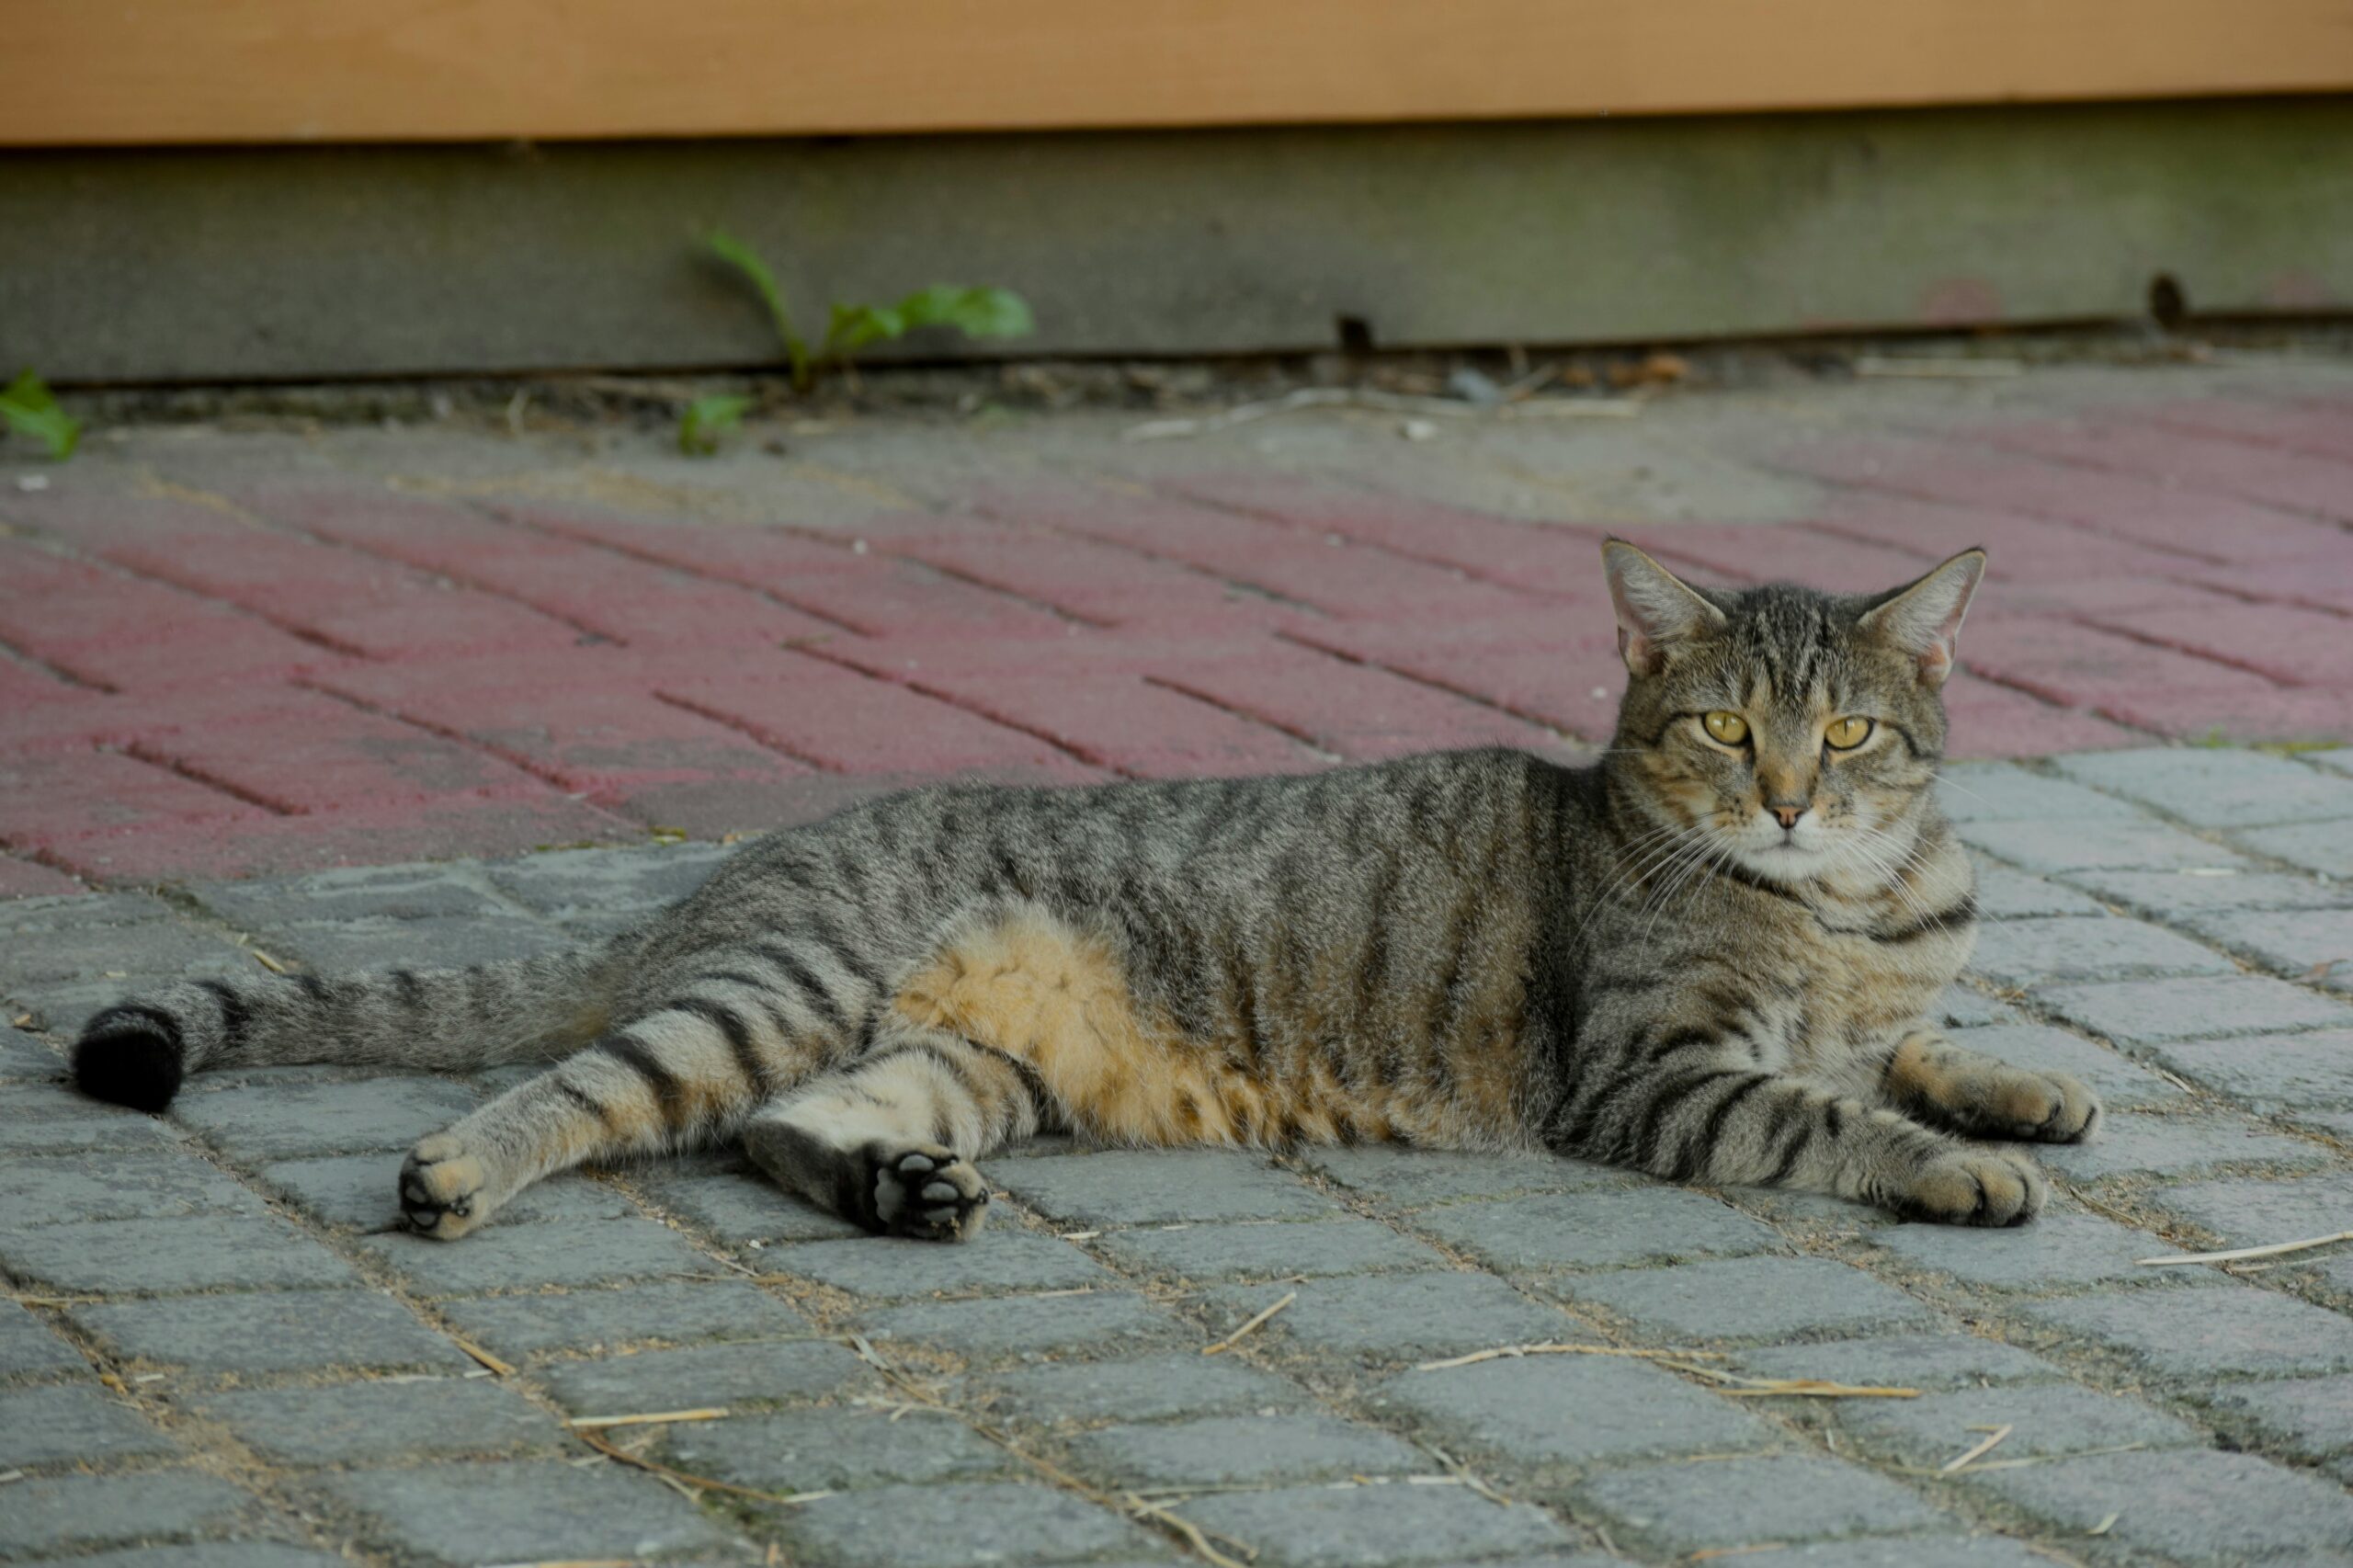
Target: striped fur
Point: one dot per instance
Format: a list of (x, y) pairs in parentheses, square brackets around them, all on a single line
[(1637, 962)]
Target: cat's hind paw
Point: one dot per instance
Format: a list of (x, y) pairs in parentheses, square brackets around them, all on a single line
[(443, 1188), (925, 1191), (1974, 1187)]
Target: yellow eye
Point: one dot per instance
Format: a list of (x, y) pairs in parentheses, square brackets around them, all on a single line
[(1729, 728), (1846, 734)]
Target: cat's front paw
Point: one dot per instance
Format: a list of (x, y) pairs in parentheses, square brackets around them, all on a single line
[(443, 1188), (2045, 1107), (1974, 1187), (925, 1191)]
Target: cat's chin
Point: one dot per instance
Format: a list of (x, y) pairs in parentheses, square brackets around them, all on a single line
[(1785, 862)]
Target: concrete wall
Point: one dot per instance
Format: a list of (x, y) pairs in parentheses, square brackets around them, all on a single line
[(200, 264)]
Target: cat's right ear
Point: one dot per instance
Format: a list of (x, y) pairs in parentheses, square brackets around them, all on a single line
[(1656, 608)]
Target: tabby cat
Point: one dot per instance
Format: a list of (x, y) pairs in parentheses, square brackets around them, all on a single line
[(1707, 957)]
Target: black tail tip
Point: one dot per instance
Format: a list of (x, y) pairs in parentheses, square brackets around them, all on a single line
[(129, 1061)]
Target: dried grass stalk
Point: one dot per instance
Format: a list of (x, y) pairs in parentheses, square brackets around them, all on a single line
[(687, 1478), (1230, 1340), (2274, 1250), (1502, 1351), (1993, 1440), (651, 1418)]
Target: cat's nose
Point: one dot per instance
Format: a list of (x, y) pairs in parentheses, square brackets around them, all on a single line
[(1787, 815)]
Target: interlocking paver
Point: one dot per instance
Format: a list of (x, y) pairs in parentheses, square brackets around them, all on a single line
[(1392, 1316), (285, 1117), (2323, 847), (1322, 1527), (198, 1253), (369, 1423), (73, 1424), (888, 1269), (1749, 1298), (360, 1190), (2311, 1418), (2193, 1506), (523, 1512), (2247, 1212), (522, 1255), (2057, 1250), (1218, 1450), (836, 1450), (1652, 1225), (1149, 1188), (621, 1318), (2150, 1012), (28, 1347), (2314, 944), (1148, 1388), (2041, 952), (50, 1512), (2045, 1419), (902, 1526), (1253, 1250), (1912, 1360), (706, 1375), (2216, 787), (2169, 1146), (2172, 895), (2194, 1332), (1512, 1410), (1020, 1325), (1413, 1177), (1746, 1500), (141, 1185), (2054, 845)]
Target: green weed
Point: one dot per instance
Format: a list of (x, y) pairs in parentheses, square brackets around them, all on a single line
[(706, 419), (976, 313), (27, 407)]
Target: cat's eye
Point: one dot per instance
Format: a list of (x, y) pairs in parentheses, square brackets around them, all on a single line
[(1729, 728), (1846, 734)]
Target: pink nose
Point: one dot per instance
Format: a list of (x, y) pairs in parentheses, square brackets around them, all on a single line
[(1787, 815)]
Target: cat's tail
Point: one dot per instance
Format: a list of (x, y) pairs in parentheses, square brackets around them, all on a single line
[(532, 1009)]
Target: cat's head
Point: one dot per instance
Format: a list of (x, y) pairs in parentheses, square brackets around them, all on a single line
[(1793, 734)]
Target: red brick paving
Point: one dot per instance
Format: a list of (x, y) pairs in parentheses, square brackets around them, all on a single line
[(284, 678)]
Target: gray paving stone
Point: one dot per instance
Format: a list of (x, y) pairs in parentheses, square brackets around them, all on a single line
[(29, 1348), (1265, 1249), (1154, 1186), (2309, 1418), (2201, 1331), (2314, 946), (2192, 1506), (2005, 894), (143, 1184), (524, 1256), (1325, 1527), (1412, 1177), (2057, 1249), (247, 1553), (48, 1116), (431, 942), (1022, 1326), (1737, 1502), (201, 1251), (1911, 1552), (367, 1422), (1962, 1008), (2214, 787), (1573, 1409), (811, 1451), (399, 893), (274, 1331), (1750, 1297), (1148, 1388), (114, 937), (2119, 1082), (2338, 761), (1653, 1224), (2248, 1211), (1219, 1450), (53, 1512), (894, 1268), (2001, 791), (669, 1312), (22, 1056), (2176, 895), (2047, 846), (1393, 1316), (2044, 1419), (977, 1523), (2070, 947), (576, 882), (357, 1191), (742, 1209), (73, 1423), (2323, 847), (1900, 1360), (2169, 1145), (524, 1512), (760, 1371), (2271, 1072), (2151, 1012), (276, 1120)]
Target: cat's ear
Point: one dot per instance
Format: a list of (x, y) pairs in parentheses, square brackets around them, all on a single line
[(1656, 607), (1923, 618)]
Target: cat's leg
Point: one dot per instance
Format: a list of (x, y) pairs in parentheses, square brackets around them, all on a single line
[(890, 1142), (1694, 1110), (684, 1073), (1930, 1078)]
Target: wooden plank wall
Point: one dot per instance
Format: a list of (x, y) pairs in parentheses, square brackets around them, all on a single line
[(154, 73)]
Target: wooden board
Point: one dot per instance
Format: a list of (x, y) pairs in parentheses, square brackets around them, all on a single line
[(92, 73)]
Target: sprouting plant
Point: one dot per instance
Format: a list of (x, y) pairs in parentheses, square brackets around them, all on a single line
[(706, 419), (27, 407), (976, 313)]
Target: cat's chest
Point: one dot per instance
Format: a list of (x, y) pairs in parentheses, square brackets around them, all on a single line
[(1827, 994)]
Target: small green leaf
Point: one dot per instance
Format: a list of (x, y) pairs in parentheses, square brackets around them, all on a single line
[(855, 326), (747, 261), (27, 407), (706, 419), (977, 312)]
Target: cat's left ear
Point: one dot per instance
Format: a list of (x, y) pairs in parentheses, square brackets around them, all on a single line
[(1923, 618)]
